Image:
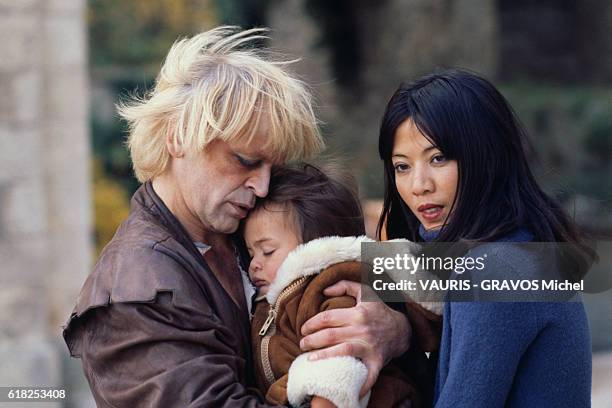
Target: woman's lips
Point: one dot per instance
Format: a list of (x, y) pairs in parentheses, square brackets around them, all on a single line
[(431, 212)]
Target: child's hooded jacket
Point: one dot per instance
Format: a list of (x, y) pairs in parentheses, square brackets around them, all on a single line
[(283, 372)]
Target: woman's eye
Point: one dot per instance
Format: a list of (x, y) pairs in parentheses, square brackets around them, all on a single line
[(440, 158), (401, 167), (268, 253)]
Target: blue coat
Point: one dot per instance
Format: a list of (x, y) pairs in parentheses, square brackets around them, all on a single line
[(514, 354)]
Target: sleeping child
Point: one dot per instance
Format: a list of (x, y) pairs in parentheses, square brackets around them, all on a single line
[(303, 237)]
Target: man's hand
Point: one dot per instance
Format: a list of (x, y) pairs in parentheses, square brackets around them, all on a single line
[(370, 331)]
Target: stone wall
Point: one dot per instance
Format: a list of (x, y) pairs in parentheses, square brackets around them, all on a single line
[(45, 248)]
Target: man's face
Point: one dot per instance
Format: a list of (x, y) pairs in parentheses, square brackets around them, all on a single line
[(218, 186)]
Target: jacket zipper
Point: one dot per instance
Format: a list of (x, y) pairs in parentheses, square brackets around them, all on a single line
[(269, 328)]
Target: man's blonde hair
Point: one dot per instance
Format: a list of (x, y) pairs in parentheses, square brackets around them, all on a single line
[(217, 85)]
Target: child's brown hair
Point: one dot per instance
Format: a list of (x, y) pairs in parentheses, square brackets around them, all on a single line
[(321, 203)]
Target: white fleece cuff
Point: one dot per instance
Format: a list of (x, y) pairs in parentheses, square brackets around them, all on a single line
[(337, 379)]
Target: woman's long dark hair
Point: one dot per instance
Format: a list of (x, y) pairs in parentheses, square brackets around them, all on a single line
[(467, 118)]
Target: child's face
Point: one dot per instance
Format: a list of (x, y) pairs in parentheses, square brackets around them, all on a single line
[(270, 235)]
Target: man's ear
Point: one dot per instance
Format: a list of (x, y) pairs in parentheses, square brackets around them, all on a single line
[(174, 146)]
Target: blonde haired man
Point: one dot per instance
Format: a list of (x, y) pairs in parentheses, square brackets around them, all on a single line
[(163, 319)]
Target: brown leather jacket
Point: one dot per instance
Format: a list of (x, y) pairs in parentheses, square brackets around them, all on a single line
[(154, 327)]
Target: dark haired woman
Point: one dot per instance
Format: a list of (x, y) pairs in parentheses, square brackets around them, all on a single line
[(456, 170)]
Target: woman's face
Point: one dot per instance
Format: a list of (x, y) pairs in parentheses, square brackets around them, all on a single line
[(425, 179)]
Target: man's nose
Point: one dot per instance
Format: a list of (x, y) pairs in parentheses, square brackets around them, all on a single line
[(422, 182), (259, 181)]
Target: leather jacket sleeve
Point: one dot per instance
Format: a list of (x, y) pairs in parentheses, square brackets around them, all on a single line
[(159, 355), (152, 325)]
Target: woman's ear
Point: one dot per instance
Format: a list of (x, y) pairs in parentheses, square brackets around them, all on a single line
[(174, 145)]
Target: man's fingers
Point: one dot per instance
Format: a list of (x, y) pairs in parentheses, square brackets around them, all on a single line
[(344, 287), (355, 349), (327, 319), (373, 372), (330, 337)]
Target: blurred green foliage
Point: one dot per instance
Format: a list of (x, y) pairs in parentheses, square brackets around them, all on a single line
[(109, 133), (128, 41), (341, 36), (243, 13), (139, 32), (111, 206), (570, 128)]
